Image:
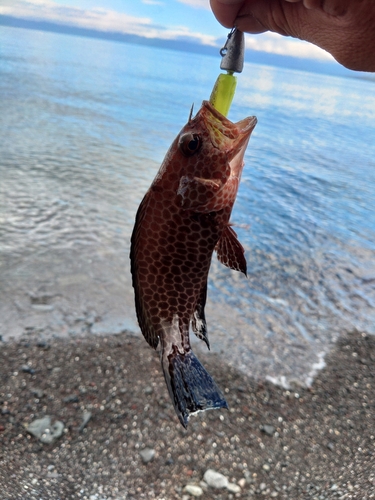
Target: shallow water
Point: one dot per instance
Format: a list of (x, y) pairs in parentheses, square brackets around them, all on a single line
[(85, 124)]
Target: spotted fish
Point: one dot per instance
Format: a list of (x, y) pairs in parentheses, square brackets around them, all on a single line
[(182, 219)]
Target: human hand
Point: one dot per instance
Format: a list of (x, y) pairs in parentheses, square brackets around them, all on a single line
[(344, 28)]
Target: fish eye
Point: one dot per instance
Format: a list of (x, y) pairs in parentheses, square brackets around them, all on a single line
[(190, 144)]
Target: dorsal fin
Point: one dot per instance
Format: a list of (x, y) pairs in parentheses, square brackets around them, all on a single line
[(191, 113), (145, 323), (230, 252)]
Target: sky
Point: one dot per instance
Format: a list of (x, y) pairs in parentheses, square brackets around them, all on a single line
[(190, 20)]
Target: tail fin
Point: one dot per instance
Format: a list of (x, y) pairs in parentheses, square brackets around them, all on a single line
[(190, 386)]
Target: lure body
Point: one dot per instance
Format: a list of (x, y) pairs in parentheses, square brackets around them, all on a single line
[(182, 219)]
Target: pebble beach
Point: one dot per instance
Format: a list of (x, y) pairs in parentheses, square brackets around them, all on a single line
[(112, 433)]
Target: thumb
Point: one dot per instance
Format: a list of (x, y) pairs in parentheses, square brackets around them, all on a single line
[(257, 16), (226, 11), (344, 28)]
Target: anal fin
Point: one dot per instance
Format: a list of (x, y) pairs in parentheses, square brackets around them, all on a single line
[(230, 252), (198, 321)]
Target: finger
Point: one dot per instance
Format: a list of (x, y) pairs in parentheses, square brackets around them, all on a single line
[(280, 16), (226, 11)]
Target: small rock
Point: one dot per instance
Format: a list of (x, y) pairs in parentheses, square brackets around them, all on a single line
[(274, 494), (268, 429), (43, 307), (331, 446), (193, 490), (147, 455), (248, 477), (2, 428), (262, 486), (266, 467), (242, 482), (85, 419), (148, 390), (215, 479), (233, 488), (42, 344), (42, 429), (90, 319), (27, 369), (38, 393), (53, 475), (72, 398)]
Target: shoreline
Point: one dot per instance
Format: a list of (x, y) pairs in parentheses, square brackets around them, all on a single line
[(314, 443)]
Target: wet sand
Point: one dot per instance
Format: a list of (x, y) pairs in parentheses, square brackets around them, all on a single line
[(314, 443)]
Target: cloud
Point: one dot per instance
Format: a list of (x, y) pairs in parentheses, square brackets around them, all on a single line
[(152, 2), (277, 44), (199, 4), (112, 21), (47, 10), (100, 19)]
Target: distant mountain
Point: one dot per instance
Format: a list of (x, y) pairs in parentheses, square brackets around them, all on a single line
[(185, 46), (254, 56)]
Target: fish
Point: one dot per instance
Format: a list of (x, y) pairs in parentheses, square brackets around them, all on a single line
[(182, 219)]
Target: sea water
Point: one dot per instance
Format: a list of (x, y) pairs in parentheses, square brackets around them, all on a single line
[(84, 126)]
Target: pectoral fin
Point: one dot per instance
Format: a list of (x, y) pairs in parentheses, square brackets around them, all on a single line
[(230, 252), (198, 193)]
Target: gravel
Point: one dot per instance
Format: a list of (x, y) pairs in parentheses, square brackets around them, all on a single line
[(322, 445), (147, 455), (268, 429), (46, 431), (193, 490), (215, 479)]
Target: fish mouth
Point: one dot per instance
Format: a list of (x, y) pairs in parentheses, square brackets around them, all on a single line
[(226, 135)]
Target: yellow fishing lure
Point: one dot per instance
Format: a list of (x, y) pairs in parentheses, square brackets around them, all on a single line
[(232, 61)]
